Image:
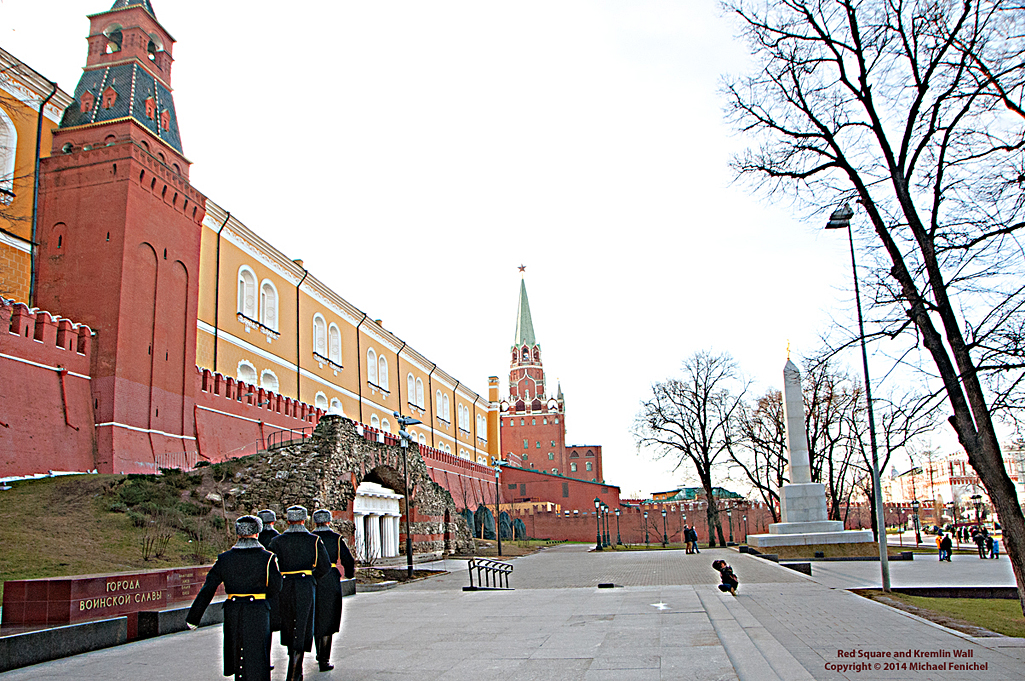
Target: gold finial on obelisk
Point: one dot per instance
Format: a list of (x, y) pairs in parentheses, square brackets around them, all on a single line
[(788, 349)]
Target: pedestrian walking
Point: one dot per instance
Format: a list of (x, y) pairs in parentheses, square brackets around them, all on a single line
[(328, 620), (303, 560), (980, 543), (946, 548), (727, 576), (686, 538), (996, 548), (694, 540), (939, 545), (989, 545), (250, 575)]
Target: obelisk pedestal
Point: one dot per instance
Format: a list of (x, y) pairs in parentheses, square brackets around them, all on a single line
[(802, 502)]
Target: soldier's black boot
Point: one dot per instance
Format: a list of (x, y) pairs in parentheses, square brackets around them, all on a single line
[(297, 672), (291, 666), (324, 653)]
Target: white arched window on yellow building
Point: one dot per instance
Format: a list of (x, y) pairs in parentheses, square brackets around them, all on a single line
[(420, 393), (372, 367), (8, 148), (269, 305), (247, 292), (334, 344), (320, 335), (382, 372)]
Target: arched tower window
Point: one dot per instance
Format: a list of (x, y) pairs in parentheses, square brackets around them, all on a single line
[(573, 468), (320, 401), (375, 422), (446, 414), (247, 292), (334, 343), (372, 367), (269, 305), (154, 46), (589, 466), (382, 372), (385, 425), (420, 393), (336, 407), (410, 389), (320, 335), (114, 38)]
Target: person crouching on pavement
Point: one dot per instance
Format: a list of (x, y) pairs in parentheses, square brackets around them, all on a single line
[(728, 577), (303, 560), (328, 620), (250, 576)]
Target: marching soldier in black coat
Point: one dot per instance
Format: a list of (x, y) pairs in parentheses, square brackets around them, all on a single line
[(268, 532), (250, 576), (328, 620), (303, 560)]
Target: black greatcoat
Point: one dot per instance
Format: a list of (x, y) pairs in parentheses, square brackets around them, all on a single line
[(246, 619), (299, 551), (329, 588), (266, 535), (264, 538)]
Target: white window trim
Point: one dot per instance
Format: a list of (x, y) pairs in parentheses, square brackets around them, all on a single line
[(249, 365), (335, 357), (242, 297), (263, 384), (273, 325), (371, 366), (8, 155), (317, 401), (382, 372), (317, 330)]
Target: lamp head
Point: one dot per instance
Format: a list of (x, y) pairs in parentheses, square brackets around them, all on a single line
[(841, 217), (597, 503)]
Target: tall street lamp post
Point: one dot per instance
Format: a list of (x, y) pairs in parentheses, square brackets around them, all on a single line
[(646, 543), (977, 500), (665, 535), (841, 218), (404, 438), (746, 531), (915, 503), (729, 514), (498, 507), (605, 514), (619, 538), (597, 521)]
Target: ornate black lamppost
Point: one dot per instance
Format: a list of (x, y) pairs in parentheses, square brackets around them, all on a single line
[(977, 500), (918, 528), (665, 535), (597, 520), (746, 531), (605, 514), (729, 514), (404, 440), (619, 539), (646, 544)]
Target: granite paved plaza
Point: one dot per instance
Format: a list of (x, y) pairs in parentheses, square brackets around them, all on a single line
[(664, 620)]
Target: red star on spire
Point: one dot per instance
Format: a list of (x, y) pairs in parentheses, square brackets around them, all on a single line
[(523, 268)]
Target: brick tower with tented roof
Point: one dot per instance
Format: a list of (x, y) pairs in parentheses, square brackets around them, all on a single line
[(119, 238), (533, 421)]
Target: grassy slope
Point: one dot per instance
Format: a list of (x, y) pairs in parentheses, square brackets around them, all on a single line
[(1002, 616), (60, 526)]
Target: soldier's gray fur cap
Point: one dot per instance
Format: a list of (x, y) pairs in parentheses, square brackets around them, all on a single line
[(267, 516), (296, 514), (248, 524), (321, 516)]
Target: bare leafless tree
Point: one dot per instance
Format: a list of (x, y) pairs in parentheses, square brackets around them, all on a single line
[(695, 419), (760, 451), (913, 109)]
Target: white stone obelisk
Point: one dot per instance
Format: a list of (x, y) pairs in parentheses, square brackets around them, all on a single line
[(802, 502)]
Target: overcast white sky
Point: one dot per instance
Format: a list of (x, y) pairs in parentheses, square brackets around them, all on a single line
[(413, 154)]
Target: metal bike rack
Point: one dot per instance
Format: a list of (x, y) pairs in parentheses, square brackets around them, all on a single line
[(490, 575)]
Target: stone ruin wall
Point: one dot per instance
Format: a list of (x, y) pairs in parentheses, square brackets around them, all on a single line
[(324, 470)]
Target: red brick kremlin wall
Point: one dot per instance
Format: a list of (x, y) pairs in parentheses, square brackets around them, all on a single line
[(46, 413)]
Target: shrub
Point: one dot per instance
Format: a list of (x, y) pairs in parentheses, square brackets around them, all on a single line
[(117, 507), (138, 519), (189, 508)]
